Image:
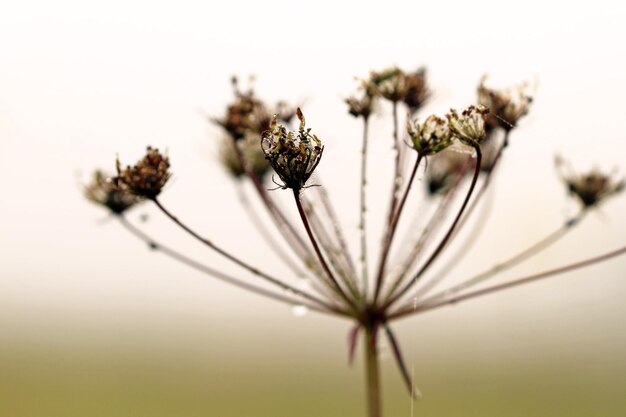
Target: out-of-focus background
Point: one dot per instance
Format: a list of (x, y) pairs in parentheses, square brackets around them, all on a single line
[(94, 324)]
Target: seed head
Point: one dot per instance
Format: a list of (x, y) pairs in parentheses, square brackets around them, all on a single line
[(250, 150), (294, 156), (590, 188), (147, 178), (103, 191), (469, 126), (430, 137), (506, 106), (390, 84), (360, 107), (417, 92)]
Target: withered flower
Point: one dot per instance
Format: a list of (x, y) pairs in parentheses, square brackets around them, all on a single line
[(469, 126), (506, 106), (294, 156), (103, 192), (390, 84), (430, 137), (252, 153), (249, 114), (147, 178), (416, 90), (590, 188), (360, 107)]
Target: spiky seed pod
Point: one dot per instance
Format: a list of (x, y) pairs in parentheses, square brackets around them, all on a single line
[(294, 156), (103, 192), (469, 126), (430, 137), (506, 106), (590, 188), (147, 178)]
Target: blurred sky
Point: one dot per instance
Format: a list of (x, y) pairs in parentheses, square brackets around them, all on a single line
[(83, 81)]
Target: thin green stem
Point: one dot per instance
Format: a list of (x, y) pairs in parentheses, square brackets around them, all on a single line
[(372, 372)]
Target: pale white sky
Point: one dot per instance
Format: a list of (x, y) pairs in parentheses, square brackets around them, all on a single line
[(82, 81)]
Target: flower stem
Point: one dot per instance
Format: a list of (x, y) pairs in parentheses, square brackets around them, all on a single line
[(372, 370), (363, 209)]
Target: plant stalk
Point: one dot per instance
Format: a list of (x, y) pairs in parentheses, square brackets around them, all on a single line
[(372, 372)]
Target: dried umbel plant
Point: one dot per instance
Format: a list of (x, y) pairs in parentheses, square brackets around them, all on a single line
[(401, 284)]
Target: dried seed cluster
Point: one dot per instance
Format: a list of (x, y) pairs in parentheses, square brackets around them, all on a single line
[(251, 151), (506, 106), (294, 156), (469, 126), (430, 137), (103, 191), (147, 178), (590, 188)]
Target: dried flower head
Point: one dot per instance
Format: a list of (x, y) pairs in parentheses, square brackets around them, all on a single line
[(443, 170), (147, 178), (590, 188), (360, 107), (469, 126), (390, 84), (506, 106), (250, 150), (249, 114), (102, 191), (416, 90), (294, 156), (430, 137)]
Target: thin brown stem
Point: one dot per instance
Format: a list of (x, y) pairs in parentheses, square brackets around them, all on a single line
[(446, 238), (363, 210), (392, 230), (153, 244), (318, 252), (502, 266), (265, 234), (517, 282), (238, 261)]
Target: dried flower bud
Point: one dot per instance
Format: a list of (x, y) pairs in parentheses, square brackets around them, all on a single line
[(443, 170), (430, 137), (469, 126), (147, 178), (390, 84), (248, 114), (360, 107), (416, 90), (252, 153), (506, 106), (590, 188), (294, 156), (102, 191)]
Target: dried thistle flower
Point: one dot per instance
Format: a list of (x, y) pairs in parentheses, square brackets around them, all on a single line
[(103, 192), (252, 153), (469, 126), (294, 156), (147, 178), (417, 92), (590, 188), (506, 106), (430, 137)]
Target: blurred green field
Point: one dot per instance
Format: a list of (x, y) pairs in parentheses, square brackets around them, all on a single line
[(38, 382)]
